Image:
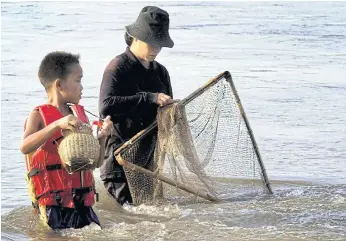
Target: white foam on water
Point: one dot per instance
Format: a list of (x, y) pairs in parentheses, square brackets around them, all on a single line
[(165, 210)]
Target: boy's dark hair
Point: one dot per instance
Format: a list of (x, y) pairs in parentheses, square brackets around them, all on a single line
[(128, 39), (56, 65)]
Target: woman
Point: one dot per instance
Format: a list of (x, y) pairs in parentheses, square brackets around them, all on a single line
[(134, 85)]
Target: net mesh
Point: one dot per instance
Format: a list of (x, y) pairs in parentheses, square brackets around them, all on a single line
[(201, 144)]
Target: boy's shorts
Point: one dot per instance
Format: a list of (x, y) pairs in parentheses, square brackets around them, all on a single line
[(61, 218)]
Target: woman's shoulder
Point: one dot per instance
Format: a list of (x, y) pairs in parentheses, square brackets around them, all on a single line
[(120, 64), (160, 67), (116, 63)]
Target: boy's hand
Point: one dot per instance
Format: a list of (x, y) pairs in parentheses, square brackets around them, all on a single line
[(105, 130), (69, 122)]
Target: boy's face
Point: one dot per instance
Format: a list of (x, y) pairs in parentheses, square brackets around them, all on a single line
[(71, 87)]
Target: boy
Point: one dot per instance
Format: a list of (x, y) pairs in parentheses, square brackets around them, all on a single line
[(63, 200)]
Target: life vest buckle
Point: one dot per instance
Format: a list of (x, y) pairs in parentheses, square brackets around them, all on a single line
[(58, 198)]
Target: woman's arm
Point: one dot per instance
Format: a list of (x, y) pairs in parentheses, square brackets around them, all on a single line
[(102, 134), (102, 142), (112, 100)]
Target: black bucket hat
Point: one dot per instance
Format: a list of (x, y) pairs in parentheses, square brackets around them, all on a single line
[(152, 27)]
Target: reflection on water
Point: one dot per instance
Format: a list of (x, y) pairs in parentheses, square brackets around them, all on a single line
[(288, 64)]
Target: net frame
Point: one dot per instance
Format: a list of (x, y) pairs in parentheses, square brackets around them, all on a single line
[(224, 75)]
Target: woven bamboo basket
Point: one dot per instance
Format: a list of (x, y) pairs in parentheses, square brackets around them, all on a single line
[(79, 150)]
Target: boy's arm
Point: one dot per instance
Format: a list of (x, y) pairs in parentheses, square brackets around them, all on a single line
[(36, 134)]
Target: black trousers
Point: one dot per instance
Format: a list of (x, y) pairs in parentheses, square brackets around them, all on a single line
[(119, 190)]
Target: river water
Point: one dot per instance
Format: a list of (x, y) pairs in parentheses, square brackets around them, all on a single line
[(288, 62)]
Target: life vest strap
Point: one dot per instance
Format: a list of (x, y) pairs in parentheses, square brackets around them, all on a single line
[(75, 191), (77, 195), (53, 167), (35, 171), (57, 196), (82, 191)]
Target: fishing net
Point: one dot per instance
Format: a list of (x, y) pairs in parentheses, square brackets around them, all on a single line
[(201, 146)]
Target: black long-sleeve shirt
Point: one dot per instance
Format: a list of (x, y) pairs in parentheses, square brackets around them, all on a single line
[(128, 94)]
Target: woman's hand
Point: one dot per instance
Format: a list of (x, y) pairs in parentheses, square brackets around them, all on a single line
[(105, 130), (163, 99)]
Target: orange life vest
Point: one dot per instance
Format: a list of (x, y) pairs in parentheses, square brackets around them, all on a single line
[(49, 183)]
